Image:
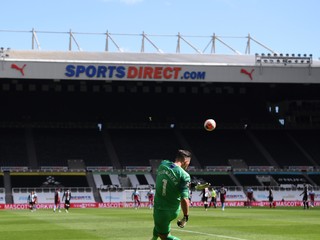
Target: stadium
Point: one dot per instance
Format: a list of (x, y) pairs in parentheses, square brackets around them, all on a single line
[(99, 123)]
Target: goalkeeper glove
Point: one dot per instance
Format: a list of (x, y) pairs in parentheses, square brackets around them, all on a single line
[(202, 186), (182, 222)]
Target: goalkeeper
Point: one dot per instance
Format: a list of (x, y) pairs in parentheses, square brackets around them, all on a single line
[(172, 195)]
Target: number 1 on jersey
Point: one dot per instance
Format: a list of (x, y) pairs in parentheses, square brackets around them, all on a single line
[(164, 187)]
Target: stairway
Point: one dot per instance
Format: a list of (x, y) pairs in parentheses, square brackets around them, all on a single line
[(7, 186), (92, 184)]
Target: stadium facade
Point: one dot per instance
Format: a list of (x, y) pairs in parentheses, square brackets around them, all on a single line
[(111, 117)]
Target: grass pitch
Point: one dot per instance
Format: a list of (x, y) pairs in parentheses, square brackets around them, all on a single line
[(130, 224)]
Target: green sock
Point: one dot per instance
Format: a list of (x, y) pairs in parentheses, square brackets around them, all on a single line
[(172, 238), (155, 234)]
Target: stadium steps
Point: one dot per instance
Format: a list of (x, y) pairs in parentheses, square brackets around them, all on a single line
[(76, 164), (233, 177), (115, 180), (92, 184), (185, 145), (150, 179), (98, 180), (309, 179), (7, 186), (134, 180), (31, 150), (154, 163), (111, 151), (125, 181), (304, 152), (262, 149)]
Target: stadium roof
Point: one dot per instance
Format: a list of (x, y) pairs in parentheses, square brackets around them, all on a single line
[(174, 67), (140, 58)]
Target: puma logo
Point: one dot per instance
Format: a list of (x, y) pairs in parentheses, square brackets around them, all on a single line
[(20, 69), (247, 73)]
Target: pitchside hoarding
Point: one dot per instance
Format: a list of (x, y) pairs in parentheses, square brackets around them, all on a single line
[(120, 199), (45, 198), (2, 198)]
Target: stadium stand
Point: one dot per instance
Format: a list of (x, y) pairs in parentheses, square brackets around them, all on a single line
[(51, 125), (106, 179), (56, 146), (281, 148), (289, 180), (1, 181), (135, 147), (142, 179), (215, 179), (248, 179), (308, 139), (48, 181), (13, 148), (217, 148), (315, 178)]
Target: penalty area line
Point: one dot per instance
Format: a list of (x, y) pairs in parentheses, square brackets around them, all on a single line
[(210, 234)]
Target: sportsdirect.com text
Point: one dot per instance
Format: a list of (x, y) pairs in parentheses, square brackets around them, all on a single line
[(132, 72)]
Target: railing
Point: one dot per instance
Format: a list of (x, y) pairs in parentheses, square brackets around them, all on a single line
[(147, 169), (111, 41), (50, 189), (112, 188)]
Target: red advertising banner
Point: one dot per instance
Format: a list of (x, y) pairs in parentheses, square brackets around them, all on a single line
[(131, 205)]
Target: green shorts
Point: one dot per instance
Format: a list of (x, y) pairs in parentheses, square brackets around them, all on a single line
[(162, 220)]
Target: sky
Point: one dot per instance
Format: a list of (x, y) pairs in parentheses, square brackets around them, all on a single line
[(284, 26)]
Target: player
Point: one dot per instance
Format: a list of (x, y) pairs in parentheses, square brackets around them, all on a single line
[(205, 193), (57, 200), (136, 198), (32, 200), (172, 195), (270, 198), (213, 201), (305, 197), (66, 197), (35, 200), (223, 195), (150, 195), (311, 197), (249, 197)]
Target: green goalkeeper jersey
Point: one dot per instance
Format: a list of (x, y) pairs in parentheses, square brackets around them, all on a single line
[(172, 184)]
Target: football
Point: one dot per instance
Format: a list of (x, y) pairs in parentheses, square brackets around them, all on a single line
[(210, 125)]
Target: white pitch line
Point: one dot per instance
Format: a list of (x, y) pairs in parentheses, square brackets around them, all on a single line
[(209, 234)]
